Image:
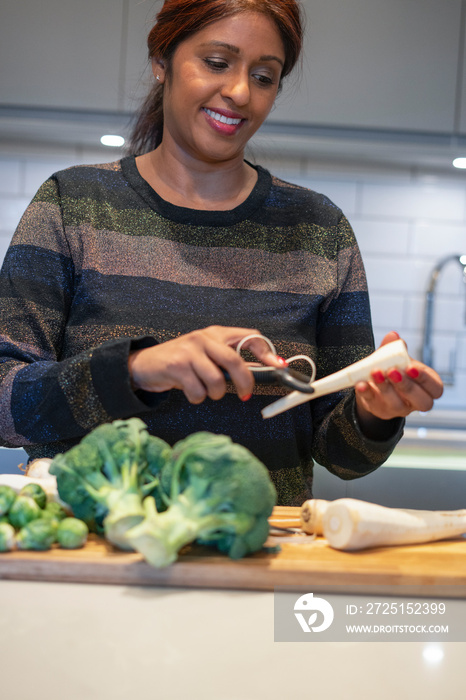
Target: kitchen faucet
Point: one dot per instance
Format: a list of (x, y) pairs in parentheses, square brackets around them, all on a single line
[(427, 351)]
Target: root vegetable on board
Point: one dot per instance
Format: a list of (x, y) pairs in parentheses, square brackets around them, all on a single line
[(350, 524)]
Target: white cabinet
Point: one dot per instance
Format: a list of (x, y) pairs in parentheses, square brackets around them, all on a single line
[(61, 53), (384, 64)]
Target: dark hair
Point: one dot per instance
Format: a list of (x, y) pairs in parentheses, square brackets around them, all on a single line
[(176, 21)]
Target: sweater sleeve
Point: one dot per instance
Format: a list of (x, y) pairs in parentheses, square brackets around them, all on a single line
[(344, 336), (44, 395)]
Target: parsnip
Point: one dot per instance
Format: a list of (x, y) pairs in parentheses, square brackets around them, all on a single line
[(350, 524), (311, 515), (390, 355), (39, 468)]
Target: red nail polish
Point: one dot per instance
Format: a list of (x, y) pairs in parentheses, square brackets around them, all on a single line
[(282, 361), (412, 372), (395, 376), (378, 376), (246, 397)]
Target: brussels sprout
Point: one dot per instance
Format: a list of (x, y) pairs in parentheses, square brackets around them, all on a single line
[(72, 533), (36, 492), (23, 510), (38, 534), (7, 498), (7, 537), (54, 510)]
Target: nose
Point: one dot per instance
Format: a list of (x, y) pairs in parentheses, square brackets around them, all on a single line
[(236, 87)]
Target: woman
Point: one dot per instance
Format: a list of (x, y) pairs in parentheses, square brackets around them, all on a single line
[(128, 286)]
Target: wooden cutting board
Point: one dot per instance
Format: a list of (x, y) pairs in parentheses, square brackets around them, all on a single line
[(437, 568)]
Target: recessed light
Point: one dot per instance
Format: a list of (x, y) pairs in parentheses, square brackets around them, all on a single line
[(113, 140), (459, 162)]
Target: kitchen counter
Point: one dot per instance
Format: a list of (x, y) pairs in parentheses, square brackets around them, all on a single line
[(98, 642), (189, 631)]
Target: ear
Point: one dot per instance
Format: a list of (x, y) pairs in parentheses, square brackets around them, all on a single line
[(158, 69)]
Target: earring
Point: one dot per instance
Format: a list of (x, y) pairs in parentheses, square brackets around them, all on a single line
[(157, 77)]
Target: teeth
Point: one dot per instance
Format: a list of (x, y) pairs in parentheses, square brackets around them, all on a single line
[(220, 118)]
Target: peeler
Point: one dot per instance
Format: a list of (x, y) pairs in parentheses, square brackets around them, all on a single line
[(285, 376)]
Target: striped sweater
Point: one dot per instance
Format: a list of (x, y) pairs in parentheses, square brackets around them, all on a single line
[(101, 265)]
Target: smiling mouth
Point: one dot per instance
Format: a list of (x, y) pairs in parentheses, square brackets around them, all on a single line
[(221, 118)]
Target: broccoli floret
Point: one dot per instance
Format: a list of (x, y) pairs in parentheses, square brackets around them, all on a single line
[(72, 533), (217, 492), (106, 476)]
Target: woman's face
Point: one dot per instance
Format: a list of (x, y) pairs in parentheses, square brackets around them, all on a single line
[(222, 85)]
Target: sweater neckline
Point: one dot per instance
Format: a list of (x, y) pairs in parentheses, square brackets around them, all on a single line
[(184, 215)]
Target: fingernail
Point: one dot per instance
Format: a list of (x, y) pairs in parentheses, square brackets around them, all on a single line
[(246, 397), (395, 376), (378, 376), (412, 372), (282, 361)]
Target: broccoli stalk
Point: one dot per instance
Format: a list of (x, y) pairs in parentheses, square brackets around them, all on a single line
[(106, 476), (217, 493), (160, 536)]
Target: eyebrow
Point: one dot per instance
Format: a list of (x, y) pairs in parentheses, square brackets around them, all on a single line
[(235, 49)]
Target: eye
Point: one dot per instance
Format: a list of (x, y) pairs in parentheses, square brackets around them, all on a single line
[(216, 64), (263, 79)]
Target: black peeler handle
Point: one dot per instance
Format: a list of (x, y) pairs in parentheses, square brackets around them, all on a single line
[(281, 376)]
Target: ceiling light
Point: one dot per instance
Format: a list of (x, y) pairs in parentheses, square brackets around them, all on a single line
[(459, 162), (113, 140)]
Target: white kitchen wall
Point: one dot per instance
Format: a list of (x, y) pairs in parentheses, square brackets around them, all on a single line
[(405, 221)]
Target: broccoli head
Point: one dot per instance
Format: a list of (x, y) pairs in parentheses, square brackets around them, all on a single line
[(105, 477), (216, 492)]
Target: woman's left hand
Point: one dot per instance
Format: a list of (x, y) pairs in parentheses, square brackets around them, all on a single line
[(398, 392)]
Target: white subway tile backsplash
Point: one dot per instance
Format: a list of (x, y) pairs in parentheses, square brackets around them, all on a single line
[(415, 310), (454, 396), (438, 240), (450, 281), (445, 350), (448, 314), (10, 176), (375, 236), (389, 274), (387, 311), (11, 211), (37, 172), (414, 201), (461, 357), (342, 194), (4, 243)]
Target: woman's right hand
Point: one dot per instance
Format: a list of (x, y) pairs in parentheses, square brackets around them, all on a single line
[(194, 363)]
